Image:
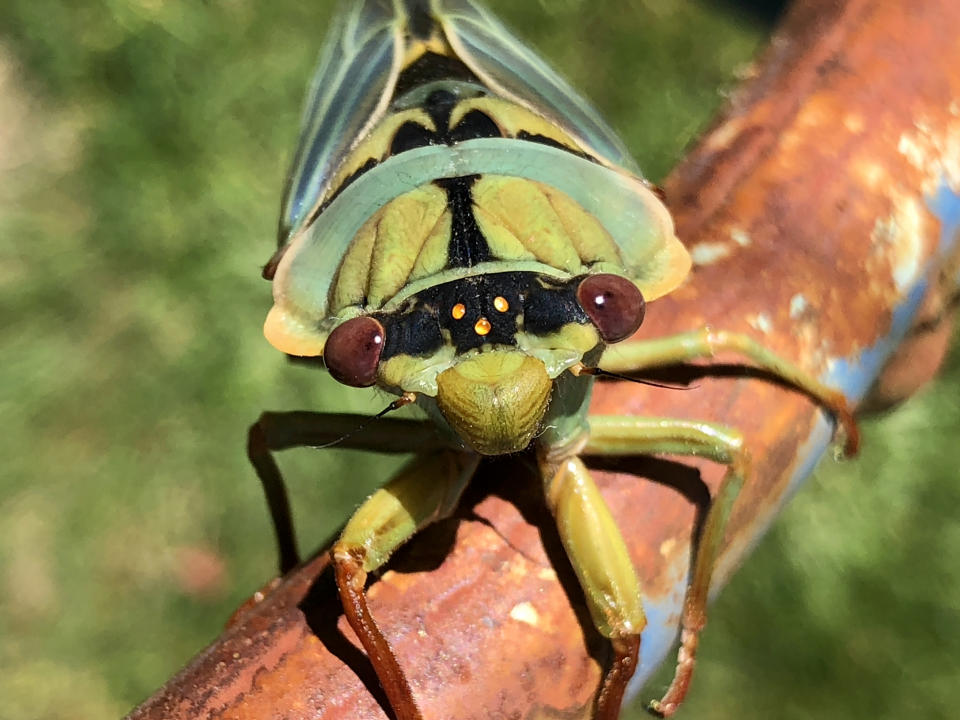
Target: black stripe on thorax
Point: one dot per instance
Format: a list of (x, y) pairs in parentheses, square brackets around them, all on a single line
[(468, 246)]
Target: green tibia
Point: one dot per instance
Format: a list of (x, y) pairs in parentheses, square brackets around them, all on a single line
[(632, 435), (614, 435), (595, 547), (707, 343)]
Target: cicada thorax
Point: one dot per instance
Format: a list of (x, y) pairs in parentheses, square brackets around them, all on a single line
[(468, 247), (461, 221)]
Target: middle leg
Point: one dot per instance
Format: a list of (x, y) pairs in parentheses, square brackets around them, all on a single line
[(276, 431)]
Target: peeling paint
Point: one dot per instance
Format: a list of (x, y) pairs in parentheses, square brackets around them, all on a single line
[(661, 612), (854, 123), (798, 304), (666, 547), (526, 613), (547, 573), (854, 374), (869, 173), (518, 569), (934, 151), (706, 253), (761, 322), (908, 147), (902, 234), (740, 236)]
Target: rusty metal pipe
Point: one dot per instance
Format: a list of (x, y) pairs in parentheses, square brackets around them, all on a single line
[(822, 208)]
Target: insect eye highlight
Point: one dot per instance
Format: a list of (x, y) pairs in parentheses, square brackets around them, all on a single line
[(352, 352), (613, 303)]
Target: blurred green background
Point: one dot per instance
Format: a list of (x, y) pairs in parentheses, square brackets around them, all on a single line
[(143, 146)]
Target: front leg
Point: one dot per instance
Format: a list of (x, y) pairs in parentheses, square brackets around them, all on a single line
[(275, 431), (424, 491), (706, 343)]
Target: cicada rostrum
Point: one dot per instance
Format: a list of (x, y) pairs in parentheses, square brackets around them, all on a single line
[(461, 229)]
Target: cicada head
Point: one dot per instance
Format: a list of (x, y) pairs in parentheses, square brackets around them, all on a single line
[(484, 352)]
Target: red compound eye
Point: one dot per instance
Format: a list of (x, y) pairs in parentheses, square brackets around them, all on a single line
[(352, 352), (613, 303)]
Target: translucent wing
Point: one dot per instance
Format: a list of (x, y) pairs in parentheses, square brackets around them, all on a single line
[(350, 91), (355, 80), (508, 68)]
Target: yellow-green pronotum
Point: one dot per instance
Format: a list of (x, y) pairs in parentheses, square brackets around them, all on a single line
[(461, 228)]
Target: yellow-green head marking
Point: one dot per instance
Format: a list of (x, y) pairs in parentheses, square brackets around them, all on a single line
[(495, 400)]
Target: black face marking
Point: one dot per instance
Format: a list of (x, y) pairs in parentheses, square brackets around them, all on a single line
[(535, 304), (468, 246), (553, 307), (415, 332)]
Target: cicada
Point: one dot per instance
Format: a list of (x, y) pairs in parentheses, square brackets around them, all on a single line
[(460, 228)]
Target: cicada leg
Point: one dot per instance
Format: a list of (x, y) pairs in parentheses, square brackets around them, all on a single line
[(276, 431), (622, 436), (424, 491), (602, 563), (706, 343)]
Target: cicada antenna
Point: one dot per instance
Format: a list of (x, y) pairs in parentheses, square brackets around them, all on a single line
[(402, 401), (597, 372)]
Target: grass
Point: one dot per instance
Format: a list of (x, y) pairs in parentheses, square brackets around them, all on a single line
[(142, 150)]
